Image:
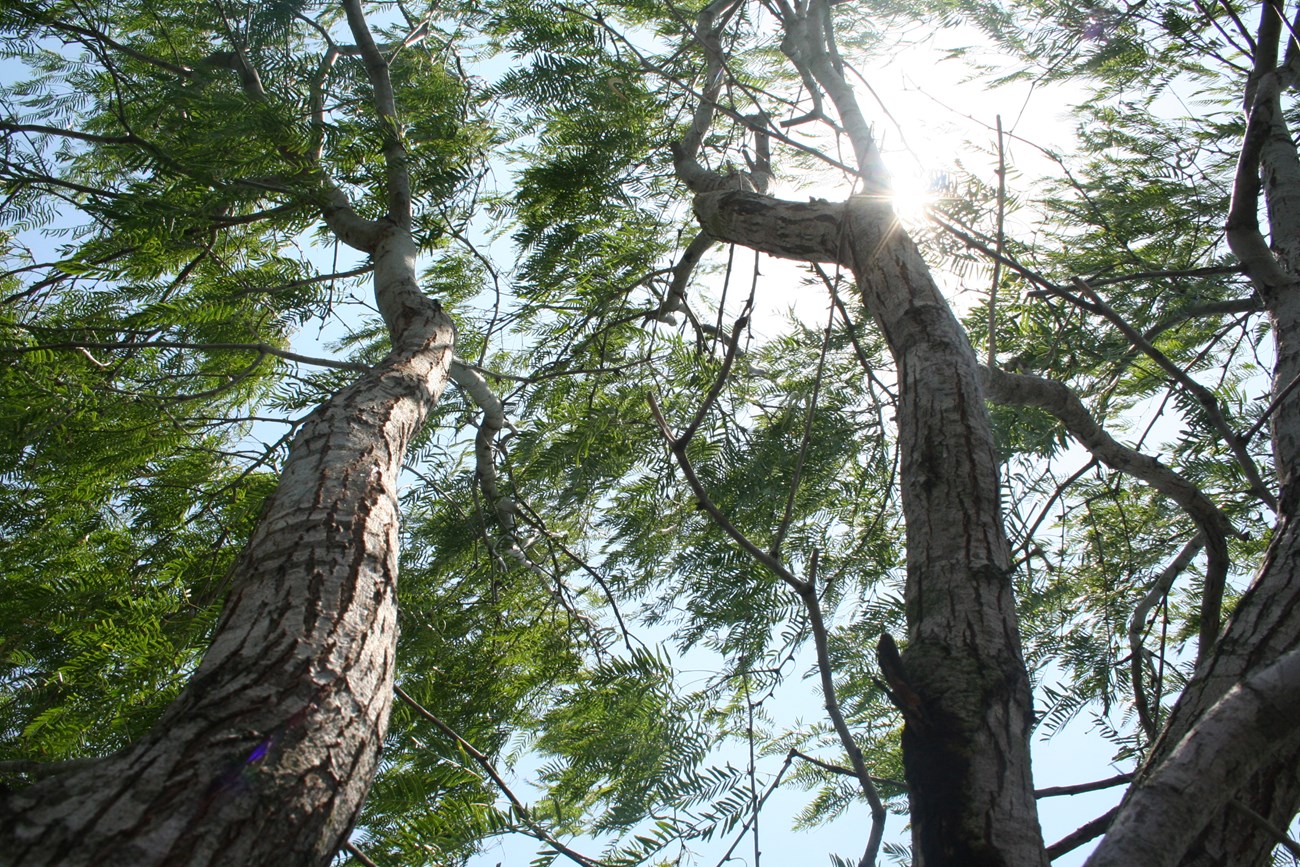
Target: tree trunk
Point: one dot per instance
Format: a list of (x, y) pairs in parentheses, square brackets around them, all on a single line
[(1266, 622), (961, 680), (270, 750), (1263, 628)]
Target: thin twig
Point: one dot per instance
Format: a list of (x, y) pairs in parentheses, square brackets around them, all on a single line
[(802, 456), (1000, 241), (1278, 834), (1080, 788), (847, 772), (488, 768), (807, 593), (1158, 591), (1208, 402), (732, 346)]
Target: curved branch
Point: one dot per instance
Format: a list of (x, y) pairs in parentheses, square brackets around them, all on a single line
[(809, 43), (1209, 404), (708, 32), (1057, 399), (1242, 229), (503, 506), (1137, 624)]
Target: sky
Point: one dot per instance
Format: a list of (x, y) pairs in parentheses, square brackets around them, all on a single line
[(923, 134)]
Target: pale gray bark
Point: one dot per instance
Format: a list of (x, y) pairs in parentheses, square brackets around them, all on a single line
[(269, 751), (1264, 626), (1195, 781), (1266, 622), (961, 680)]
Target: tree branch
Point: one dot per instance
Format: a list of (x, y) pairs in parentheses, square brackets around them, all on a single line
[(1159, 589), (1057, 399), (1080, 788), (260, 348), (1091, 831), (398, 178), (1204, 397), (488, 768), (807, 592), (1237, 736), (503, 506)]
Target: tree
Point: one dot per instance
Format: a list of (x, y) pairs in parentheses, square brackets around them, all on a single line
[(866, 496)]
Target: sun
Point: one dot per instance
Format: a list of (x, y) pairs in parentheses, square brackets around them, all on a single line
[(914, 192)]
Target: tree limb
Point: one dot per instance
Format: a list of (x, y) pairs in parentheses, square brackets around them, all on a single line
[(1236, 737), (1090, 831), (398, 178), (1080, 788), (1057, 399)]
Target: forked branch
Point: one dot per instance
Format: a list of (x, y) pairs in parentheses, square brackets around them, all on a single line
[(1057, 399)]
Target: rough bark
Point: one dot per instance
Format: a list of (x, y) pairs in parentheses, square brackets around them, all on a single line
[(269, 751), (1266, 622), (1196, 780), (1264, 626), (966, 736)]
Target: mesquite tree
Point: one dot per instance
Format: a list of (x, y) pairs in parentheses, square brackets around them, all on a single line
[(200, 526)]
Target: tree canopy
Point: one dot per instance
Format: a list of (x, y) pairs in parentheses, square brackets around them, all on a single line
[(1030, 461)]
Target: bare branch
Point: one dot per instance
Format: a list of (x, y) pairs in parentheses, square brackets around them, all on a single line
[(1057, 399), (260, 348), (398, 178), (1209, 404), (1091, 831), (1080, 788), (1137, 625), (1278, 834), (990, 355), (675, 300), (708, 33), (358, 854), (806, 590), (809, 43), (39, 129), (1264, 118), (503, 506)]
